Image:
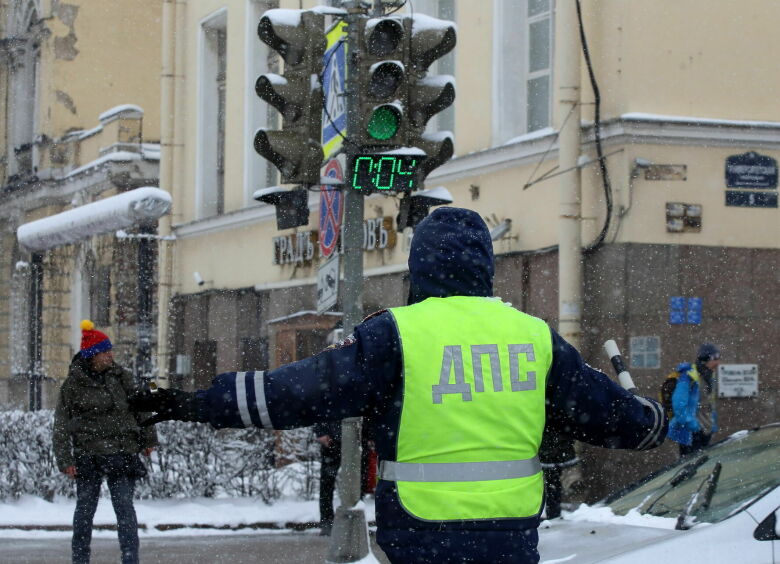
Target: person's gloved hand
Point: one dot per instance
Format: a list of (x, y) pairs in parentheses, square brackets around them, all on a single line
[(167, 404)]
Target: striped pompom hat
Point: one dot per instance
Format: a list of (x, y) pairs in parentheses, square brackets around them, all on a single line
[(92, 340)]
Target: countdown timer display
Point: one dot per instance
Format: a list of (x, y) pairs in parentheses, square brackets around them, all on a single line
[(383, 172)]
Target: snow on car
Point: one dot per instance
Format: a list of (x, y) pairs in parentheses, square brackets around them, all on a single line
[(719, 505)]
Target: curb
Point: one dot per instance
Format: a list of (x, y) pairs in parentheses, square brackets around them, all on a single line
[(290, 525)]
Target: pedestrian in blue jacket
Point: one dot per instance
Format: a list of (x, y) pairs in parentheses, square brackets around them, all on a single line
[(695, 416), (458, 386)]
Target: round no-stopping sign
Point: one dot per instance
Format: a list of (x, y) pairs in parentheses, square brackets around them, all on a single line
[(331, 210)]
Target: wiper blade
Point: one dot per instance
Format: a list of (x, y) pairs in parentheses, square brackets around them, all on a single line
[(681, 476), (687, 471), (712, 482)]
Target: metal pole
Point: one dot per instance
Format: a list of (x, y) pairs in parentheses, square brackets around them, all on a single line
[(36, 332), (570, 201), (143, 365), (349, 538)]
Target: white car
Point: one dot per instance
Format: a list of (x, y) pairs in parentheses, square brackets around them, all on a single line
[(720, 506)]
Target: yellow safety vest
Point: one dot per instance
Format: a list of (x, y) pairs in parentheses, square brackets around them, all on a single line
[(473, 410)]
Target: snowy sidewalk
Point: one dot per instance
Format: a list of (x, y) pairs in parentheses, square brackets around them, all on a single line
[(32, 516)]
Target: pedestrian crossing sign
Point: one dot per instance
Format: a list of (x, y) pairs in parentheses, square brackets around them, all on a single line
[(334, 75)]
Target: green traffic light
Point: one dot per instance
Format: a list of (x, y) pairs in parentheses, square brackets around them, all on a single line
[(384, 122)]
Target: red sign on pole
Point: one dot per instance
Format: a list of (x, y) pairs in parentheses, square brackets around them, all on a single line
[(331, 209)]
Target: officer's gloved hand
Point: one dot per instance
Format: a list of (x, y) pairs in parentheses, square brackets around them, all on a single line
[(167, 404)]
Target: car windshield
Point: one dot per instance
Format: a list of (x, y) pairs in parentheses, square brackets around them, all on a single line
[(750, 467)]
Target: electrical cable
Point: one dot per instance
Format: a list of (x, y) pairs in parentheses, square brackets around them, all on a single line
[(544, 156), (399, 7), (597, 133)]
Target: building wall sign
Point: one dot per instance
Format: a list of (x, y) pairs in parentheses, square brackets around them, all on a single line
[(295, 248), (751, 199), (737, 380), (302, 247), (669, 172), (751, 170), (754, 171), (379, 234)]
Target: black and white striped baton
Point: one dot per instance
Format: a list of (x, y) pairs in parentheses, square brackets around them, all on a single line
[(620, 368)]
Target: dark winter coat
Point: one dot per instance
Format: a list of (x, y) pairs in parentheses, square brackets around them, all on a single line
[(451, 255), (92, 416)]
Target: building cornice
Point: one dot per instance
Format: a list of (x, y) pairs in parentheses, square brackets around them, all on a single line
[(60, 191), (237, 219), (632, 128), (310, 281)]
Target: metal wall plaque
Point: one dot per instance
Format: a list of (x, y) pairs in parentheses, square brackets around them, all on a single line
[(666, 172), (737, 380), (683, 218), (751, 170), (751, 199)]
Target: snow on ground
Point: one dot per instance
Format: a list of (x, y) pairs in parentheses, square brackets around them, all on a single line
[(233, 512)]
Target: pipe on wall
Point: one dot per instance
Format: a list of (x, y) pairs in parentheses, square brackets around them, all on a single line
[(570, 267)]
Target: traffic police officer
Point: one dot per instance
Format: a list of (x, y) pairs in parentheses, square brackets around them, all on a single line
[(459, 387)]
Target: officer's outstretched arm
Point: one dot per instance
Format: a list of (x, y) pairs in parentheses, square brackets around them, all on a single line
[(592, 408), (346, 381)]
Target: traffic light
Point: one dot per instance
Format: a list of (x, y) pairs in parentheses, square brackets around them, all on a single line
[(414, 207), (292, 206), (382, 82), (430, 39), (299, 38), (397, 98)]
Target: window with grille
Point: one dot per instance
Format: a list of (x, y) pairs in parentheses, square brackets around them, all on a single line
[(645, 352)]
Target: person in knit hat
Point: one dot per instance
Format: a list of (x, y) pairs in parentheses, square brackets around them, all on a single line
[(695, 417), (96, 437)]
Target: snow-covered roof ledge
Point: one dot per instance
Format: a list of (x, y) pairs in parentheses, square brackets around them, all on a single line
[(117, 156), (134, 207), (692, 120), (130, 111)]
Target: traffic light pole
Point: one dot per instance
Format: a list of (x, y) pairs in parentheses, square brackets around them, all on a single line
[(349, 538)]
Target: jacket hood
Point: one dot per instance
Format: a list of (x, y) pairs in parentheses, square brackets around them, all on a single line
[(451, 255)]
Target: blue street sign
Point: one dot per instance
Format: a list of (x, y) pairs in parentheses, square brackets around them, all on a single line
[(685, 310), (334, 77), (693, 315)]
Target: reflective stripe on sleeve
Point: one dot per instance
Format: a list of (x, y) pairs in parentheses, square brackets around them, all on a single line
[(653, 438), (262, 409), (243, 408), (458, 471)]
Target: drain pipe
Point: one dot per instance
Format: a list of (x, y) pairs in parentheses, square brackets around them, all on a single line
[(570, 266), (165, 259)]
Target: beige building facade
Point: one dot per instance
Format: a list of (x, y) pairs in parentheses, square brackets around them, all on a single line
[(79, 114), (682, 239)]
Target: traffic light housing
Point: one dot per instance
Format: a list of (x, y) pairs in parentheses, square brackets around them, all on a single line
[(298, 36), (397, 98), (292, 206), (382, 82), (429, 40)]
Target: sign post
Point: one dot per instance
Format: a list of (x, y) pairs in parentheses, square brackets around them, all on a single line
[(349, 540)]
